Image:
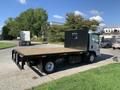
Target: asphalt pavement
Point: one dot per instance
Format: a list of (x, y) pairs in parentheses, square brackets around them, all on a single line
[(11, 78)]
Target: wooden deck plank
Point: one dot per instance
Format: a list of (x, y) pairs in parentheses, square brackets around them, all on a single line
[(45, 51)]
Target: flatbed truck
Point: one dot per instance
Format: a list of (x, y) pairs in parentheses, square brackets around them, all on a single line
[(79, 45), (24, 38)]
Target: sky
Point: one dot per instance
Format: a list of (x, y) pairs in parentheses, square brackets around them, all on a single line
[(105, 11)]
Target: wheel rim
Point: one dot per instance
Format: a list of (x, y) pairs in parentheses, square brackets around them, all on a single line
[(49, 67), (92, 58)]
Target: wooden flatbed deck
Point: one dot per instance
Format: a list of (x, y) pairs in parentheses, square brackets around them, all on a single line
[(22, 55), (46, 51)]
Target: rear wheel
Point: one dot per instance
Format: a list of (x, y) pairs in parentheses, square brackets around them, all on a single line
[(20, 43), (49, 67), (28, 43)]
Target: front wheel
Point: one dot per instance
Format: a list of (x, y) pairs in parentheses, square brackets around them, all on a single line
[(49, 67), (90, 58)]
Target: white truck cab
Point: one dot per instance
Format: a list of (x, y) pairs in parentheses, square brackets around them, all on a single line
[(94, 43), (93, 48), (24, 38), (85, 40)]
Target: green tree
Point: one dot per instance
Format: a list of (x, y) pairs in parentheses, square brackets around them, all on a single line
[(13, 27), (40, 23), (56, 33), (74, 21), (5, 33), (33, 20), (78, 22)]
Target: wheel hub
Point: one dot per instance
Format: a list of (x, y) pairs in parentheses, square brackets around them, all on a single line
[(92, 58), (49, 66)]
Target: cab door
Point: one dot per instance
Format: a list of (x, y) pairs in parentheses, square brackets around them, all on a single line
[(94, 43)]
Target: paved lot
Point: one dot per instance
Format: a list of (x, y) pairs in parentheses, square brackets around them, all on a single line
[(11, 78)]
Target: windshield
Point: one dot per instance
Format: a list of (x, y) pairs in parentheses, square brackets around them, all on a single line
[(95, 38)]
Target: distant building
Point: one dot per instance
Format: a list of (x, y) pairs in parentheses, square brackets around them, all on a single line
[(111, 30)]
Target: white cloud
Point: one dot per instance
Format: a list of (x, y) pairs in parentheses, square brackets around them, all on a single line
[(97, 18), (58, 17), (23, 1), (95, 12), (102, 24), (77, 13)]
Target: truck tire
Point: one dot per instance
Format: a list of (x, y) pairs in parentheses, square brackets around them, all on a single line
[(90, 58), (29, 43), (49, 67), (20, 44), (29, 64), (113, 48)]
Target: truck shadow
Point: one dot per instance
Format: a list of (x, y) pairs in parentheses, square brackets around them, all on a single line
[(65, 66), (103, 57), (37, 71), (34, 44)]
